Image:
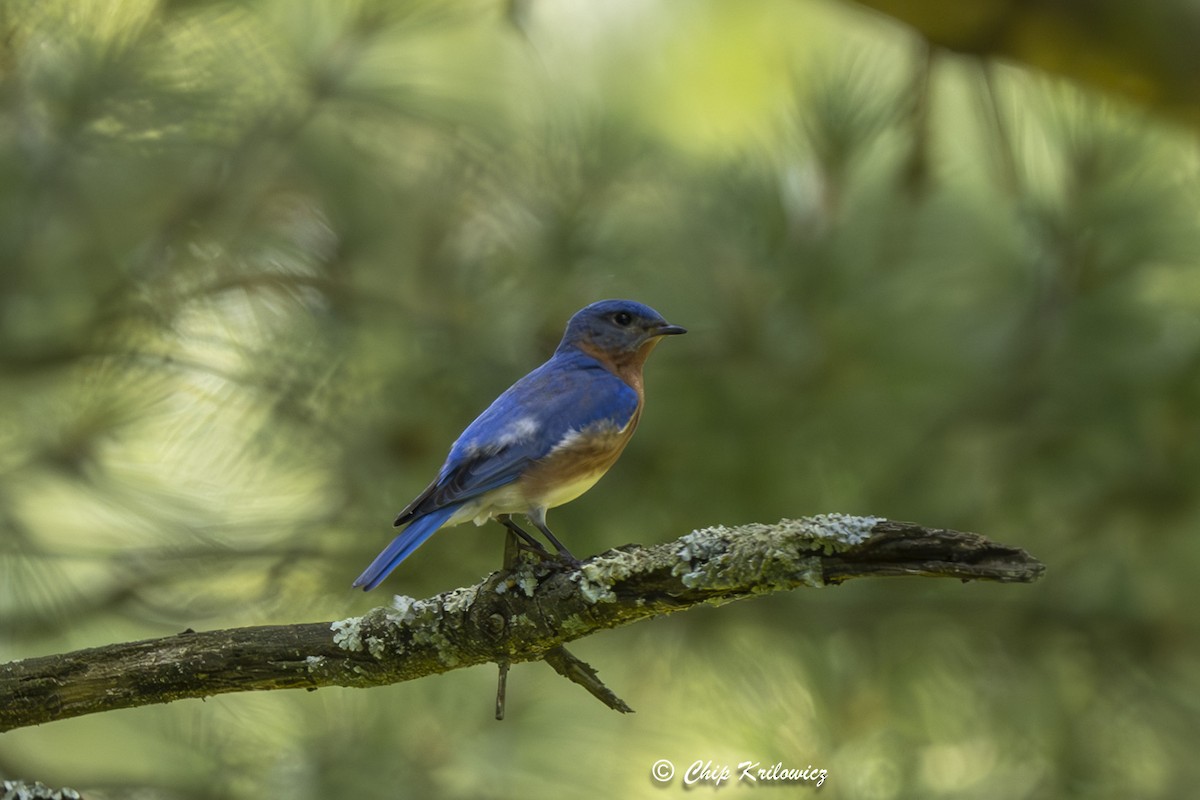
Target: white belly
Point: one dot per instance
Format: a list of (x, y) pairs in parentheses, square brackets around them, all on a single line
[(512, 500), (567, 492)]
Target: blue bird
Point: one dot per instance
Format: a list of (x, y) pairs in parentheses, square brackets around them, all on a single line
[(546, 440)]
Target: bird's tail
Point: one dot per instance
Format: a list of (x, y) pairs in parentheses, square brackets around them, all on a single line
[(402, 547)]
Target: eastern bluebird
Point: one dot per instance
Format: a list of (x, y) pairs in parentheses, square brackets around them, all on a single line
[(546, 440)]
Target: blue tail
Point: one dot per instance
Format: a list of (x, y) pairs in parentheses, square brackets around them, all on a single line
[(402, 547)]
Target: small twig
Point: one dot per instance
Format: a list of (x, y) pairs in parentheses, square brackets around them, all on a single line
[(501, 689), (581, 672)]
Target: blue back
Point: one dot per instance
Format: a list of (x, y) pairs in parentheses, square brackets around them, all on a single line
[(568, 393)]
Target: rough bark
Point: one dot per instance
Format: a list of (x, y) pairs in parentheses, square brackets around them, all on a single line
[(523, 614)]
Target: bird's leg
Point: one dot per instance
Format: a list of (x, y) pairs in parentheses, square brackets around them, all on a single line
[(526, 542), (539, 521)]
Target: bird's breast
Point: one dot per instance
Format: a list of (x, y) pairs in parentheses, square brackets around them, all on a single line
[(575, 464)]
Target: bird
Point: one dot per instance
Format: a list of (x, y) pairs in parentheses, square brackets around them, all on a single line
[(543, 442)]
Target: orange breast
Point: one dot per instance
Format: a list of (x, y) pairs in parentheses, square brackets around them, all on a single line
[(574, 466)]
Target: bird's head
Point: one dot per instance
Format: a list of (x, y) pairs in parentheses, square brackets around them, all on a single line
[(616, 328)]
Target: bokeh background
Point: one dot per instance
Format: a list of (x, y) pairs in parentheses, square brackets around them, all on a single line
[(261, 261)]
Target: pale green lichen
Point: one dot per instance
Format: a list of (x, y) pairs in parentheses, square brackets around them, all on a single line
[(459, 600), (403, 605), (407, 610), (423, 621), (432, 635), (20, 790), (353, 634), (596, 578), (837, 532), (314, 663), (347, 634), (702, 544), (376, 646), (522, 577), (831, 533), (766, 557)]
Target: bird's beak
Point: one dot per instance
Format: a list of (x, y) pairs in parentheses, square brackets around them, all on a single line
[(669, 330)]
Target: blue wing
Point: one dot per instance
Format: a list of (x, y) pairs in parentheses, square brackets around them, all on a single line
[(568, 393)]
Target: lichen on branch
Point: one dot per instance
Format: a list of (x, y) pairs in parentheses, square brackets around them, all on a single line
[(526, 613)]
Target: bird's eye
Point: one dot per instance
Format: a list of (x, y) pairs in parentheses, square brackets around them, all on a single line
[(622, 318)]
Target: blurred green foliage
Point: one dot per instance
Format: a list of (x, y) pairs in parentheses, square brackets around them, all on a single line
[(260, 262)]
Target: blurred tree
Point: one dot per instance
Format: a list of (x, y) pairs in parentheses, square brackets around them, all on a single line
[(260, 260), (1147, 54)]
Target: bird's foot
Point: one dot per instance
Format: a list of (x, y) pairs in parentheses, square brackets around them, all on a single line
[(568, 559)]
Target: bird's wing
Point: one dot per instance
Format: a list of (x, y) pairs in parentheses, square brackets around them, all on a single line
[(561, 397)]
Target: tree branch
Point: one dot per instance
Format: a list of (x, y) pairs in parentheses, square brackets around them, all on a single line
[(1145, 52), (524, 614)]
